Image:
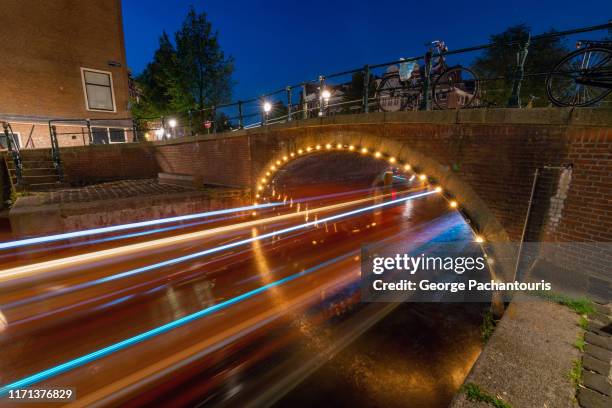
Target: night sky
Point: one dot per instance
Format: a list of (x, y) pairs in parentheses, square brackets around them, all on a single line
[(276, 43)]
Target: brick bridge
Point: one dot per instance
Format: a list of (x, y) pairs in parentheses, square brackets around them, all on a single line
[(483, 159)]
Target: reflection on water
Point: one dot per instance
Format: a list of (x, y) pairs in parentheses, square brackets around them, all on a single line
[(418, 356)]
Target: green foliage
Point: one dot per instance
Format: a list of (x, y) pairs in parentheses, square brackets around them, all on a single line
[(582, 306), (191, 73), (583, 322), (500, 61), (575, 373), (580, 343), (476, 394), (14, 196), (488, 327)]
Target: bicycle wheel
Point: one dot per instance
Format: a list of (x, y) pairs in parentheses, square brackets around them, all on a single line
[(564, 84), (390, 94), (457, 87)]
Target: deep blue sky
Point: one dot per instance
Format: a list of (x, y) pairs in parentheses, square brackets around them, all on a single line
[(276, 43)]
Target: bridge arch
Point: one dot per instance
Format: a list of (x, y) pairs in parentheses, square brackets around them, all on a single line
[(458, 193)]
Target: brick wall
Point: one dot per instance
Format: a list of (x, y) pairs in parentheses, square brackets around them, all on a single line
[(88, 165), (224, 161), (48, 44)]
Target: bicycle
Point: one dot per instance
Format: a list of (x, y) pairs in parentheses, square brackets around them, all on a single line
[(583, 77), (401, 88)]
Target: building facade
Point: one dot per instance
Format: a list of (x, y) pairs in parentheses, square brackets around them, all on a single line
[(64, 59)]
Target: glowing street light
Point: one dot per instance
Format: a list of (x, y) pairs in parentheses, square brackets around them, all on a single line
[(324, 101), (172, 123), (267, 107)]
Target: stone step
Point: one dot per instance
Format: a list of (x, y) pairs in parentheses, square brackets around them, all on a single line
[(598, 353), (601, 341), (43, 186), (35, 152), (30, 164), (595, 365), (33, 180), (35, 171), (597, 382), (592, 399)]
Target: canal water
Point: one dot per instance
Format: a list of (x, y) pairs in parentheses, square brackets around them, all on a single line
[(416, 357), (419, 354)]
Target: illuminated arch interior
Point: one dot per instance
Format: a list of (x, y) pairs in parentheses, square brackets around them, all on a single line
[(263, 190)]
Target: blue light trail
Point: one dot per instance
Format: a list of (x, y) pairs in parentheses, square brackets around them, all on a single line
[(93, 356), (122, 227)]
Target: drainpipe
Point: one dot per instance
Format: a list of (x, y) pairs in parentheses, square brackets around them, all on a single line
[(536, 175)]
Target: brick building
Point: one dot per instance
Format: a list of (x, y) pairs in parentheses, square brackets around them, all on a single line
[(64, 59)]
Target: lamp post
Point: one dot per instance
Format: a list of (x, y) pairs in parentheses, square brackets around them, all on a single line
[(325, 95), (172, 124), (267, 107)]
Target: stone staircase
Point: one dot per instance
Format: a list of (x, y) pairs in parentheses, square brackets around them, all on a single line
[(39, 173)]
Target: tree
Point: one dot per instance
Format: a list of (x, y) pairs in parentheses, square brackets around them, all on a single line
[(191, 74), (157, 80), (205, 72), (496, 66)]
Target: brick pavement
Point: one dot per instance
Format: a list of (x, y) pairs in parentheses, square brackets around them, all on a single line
[(110, 190)]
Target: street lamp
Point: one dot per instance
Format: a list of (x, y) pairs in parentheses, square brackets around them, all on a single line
[(172, 124), (325, 95), (267, 107)]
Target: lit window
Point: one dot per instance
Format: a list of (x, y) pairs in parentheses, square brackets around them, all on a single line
[(98, 87)]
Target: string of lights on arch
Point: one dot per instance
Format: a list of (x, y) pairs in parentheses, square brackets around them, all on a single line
[(264, 189)]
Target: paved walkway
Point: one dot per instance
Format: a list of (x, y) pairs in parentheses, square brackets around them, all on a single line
[(527, 361), (109, 190)]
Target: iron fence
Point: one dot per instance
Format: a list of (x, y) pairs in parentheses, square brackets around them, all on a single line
[(381, 87)]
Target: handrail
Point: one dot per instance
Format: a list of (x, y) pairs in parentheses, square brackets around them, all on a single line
[(55, 152), (517, 76), (13, 148)]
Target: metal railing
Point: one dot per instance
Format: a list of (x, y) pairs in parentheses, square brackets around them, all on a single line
[(13, 149), (280, 105)]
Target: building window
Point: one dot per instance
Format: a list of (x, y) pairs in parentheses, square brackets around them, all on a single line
[(98, 88), (104, 135), (3, 142)]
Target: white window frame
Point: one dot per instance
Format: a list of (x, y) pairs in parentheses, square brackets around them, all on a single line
[(108, 138), (112, 88)]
